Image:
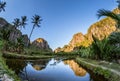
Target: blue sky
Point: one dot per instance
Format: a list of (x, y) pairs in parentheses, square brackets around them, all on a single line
[(61, 18)]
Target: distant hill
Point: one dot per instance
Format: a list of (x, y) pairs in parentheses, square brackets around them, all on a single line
[(12, 34), (100, 30), (41, 43)]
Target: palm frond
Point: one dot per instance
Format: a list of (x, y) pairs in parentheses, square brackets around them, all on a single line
[(2, 6), (103, 12), (118, 1)]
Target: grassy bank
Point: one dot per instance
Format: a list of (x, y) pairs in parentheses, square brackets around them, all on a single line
[(21, 56), (111, 71), (4, 70)]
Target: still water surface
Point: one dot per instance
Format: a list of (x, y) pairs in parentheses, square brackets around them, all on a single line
[(50, 70)]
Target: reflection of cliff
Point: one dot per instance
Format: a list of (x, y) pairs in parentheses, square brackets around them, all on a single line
[(40, 64), (37, 67), (79, 71)]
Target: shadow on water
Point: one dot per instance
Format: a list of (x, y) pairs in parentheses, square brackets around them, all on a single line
[(54, 69)]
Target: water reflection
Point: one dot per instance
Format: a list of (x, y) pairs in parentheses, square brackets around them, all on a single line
[(49, 70), (39, 64), (16, 65), (79, 71)]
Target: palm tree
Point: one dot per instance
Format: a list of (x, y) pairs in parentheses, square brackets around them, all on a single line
[(36, 20), (118, 1), (23, 21), (2, 6), (116, 17), (16, 23)]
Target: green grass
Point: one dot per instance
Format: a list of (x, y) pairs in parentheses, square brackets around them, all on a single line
[(5, 70), (97, 68), (35, 51), (21, 56), (104, 63)]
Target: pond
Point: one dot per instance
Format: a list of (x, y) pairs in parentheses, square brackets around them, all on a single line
[(52, 69)]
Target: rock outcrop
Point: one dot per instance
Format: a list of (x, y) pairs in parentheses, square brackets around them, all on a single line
[(26, 40), (40, 43), (11, 33), (3, 22), (100, 30), (77, 39), (14, 35)]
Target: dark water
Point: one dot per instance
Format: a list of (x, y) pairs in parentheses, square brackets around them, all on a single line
[(51, 70)]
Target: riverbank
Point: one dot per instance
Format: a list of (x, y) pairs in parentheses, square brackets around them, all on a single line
[(21, 56), (110, 71), (5, 73)]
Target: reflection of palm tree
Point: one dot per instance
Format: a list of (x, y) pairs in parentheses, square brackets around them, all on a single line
[(36, 21), (2, 6), (26, 72)]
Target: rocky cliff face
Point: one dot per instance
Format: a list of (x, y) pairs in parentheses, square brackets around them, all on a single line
[(3, 22), (77, 40), (100, 30), (26, 40), (14, 34), (41, 44)]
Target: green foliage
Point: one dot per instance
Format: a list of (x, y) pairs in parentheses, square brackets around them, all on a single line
[(1, 44), (114, 40), (16, 22), (20, 23), (94, 66), (84, 52), (100, 71), (100, 49), (5, 70)]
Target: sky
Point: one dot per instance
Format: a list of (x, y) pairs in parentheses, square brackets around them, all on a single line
[(61, 18)]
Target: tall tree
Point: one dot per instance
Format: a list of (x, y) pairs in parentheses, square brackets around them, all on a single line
[(23, 21), (2, 6), (36, 20), (16, 22)]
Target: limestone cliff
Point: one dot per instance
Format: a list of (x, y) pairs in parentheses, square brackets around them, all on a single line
[(9, 32), (41, 44), (100, 30)]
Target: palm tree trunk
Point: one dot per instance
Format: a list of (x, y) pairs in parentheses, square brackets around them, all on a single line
[(31, 32)]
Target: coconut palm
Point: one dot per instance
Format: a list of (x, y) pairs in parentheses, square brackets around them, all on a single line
[(23, 21), (116, 17), (16, 22), (2, 6), (36, 20), (118, 1)]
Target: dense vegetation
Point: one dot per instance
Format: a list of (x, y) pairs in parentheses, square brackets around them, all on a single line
[(107, 47)]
